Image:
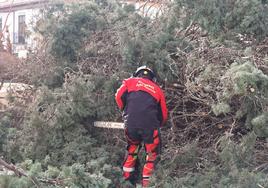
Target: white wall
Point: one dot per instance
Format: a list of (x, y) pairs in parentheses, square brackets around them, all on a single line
[(31, 16)]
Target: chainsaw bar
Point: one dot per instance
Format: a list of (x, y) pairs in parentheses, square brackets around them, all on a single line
[(109, 125)]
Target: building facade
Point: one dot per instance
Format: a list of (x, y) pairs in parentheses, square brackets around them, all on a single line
[(17, 20)]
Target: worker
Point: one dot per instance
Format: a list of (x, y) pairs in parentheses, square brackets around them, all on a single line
[(144, 112)]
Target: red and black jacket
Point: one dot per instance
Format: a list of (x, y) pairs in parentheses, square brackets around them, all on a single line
[(143, 103)]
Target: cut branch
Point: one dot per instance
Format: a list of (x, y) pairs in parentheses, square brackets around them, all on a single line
[(18, 172)]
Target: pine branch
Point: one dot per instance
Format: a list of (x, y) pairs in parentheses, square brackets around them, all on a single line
[(18, 172)]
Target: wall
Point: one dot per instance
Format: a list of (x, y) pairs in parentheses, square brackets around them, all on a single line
[(31, 16)]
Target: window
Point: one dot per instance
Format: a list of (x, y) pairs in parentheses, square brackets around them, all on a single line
[(22, 29)]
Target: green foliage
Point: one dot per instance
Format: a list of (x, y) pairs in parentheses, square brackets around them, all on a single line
[(153, 51), (164, 176), (58, 132), (221, 108), (13, 182), (11, 145), (189, 156), (234, 155), (143, 43), (58, 121), (95, 44), (247, 78), (82, 179), (250, 85), (215, 177), (246, 17), (233, 171), (260, 125), (4, 125), (71, 176), (74, 25), (54, 78), (129, 8)]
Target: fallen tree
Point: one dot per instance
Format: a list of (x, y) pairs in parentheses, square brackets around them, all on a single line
[(216, 89)]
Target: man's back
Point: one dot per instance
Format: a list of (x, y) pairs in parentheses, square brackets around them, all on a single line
[(141, 101), (142, 111)]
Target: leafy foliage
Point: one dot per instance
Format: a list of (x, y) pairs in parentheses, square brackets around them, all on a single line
[(73, 28), (71, 176), (233, 171), (245, 17), (91, 46), (248, 83), (260, 125)]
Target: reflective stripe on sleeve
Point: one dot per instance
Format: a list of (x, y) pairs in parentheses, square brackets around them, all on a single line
[(126, 169)]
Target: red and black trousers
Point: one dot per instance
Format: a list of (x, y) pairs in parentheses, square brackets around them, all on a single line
[(151, 140)]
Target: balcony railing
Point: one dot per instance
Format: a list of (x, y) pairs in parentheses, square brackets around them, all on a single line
[(18, 38)]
